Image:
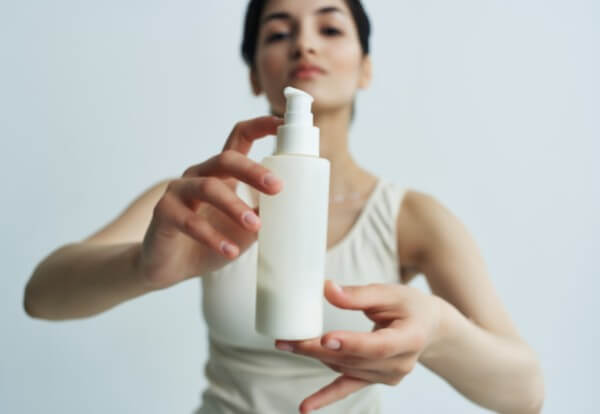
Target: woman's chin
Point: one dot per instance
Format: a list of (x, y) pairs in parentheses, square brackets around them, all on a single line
[(306, 85)]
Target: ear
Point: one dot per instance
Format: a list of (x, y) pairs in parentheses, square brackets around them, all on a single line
[(366, 72), (254, 82)]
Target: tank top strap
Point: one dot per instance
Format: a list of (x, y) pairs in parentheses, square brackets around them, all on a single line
[(384, 210)]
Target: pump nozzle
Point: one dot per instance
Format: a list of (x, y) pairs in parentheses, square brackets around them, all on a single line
[(297, 109), (297, 135)]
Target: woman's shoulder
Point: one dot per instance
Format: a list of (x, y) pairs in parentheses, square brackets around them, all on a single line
[(418, 212), (422, 220)]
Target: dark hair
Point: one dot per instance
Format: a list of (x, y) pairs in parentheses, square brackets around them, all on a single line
[(251, 27)]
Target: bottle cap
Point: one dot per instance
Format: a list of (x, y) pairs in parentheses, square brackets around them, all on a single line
[(297, 135)]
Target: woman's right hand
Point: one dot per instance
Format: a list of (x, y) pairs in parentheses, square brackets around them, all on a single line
[(200, 223)]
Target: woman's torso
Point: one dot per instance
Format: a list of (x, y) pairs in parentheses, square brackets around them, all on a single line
[(245, 371)]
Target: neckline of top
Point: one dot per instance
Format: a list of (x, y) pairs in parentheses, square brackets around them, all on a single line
[(360, 219), (357, 223)]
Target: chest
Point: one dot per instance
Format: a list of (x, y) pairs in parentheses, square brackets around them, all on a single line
[(362, 252), (340, 220)]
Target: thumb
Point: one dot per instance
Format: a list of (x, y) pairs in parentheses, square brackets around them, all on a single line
[(366, 297), (342, 297)]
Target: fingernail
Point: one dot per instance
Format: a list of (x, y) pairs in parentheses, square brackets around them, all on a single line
[(285, 346), (227, 248), (337, 287), (333, 344), (270, 180), (250, 218)]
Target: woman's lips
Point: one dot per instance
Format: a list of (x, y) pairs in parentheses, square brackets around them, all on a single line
[(306, 72)]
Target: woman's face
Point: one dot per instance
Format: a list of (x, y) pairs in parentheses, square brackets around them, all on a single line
[(319, 33)]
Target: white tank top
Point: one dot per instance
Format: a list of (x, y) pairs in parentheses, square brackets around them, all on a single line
[(244, 370)]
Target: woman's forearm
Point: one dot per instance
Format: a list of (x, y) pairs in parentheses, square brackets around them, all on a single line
[(498, 373), (80, 280)]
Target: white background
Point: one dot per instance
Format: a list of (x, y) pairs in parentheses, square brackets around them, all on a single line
[(490, 106)]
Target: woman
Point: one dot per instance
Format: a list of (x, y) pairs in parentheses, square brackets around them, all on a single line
[(380, 235)]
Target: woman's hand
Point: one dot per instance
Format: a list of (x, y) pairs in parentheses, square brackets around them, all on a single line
[(407, 322), (200, 223)]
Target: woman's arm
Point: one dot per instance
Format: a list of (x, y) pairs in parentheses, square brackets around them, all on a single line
[(481, 354), (83, 279), (80, 280), (497, 372)]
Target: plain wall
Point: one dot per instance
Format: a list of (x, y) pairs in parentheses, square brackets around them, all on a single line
[(490, 106)]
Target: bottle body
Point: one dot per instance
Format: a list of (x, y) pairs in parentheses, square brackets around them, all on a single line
[(292, 247)]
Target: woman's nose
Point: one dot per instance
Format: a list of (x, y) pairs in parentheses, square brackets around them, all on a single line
[(304, 43)]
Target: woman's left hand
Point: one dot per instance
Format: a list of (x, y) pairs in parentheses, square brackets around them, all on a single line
[(407, 322)]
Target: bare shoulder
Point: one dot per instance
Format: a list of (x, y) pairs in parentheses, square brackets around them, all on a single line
[(420, 214), (132, 223)]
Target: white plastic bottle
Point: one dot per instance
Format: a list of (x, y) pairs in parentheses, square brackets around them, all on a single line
[(292, 240)]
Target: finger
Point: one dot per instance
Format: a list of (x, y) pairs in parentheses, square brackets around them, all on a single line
[(340, 388), (351, 347), (384, 298), (384, 371), (245, 132), (194, 191), (175, 214), (356, 366), (374, 376), (233, 164), (380, 344)]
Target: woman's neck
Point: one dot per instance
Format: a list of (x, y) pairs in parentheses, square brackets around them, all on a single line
[(346, 176)]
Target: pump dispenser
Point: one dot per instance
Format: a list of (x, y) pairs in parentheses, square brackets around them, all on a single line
[(292, 239), (297, 135)]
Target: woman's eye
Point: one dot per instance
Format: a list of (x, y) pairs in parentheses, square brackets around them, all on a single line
[(331, 31), (276, 36)]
